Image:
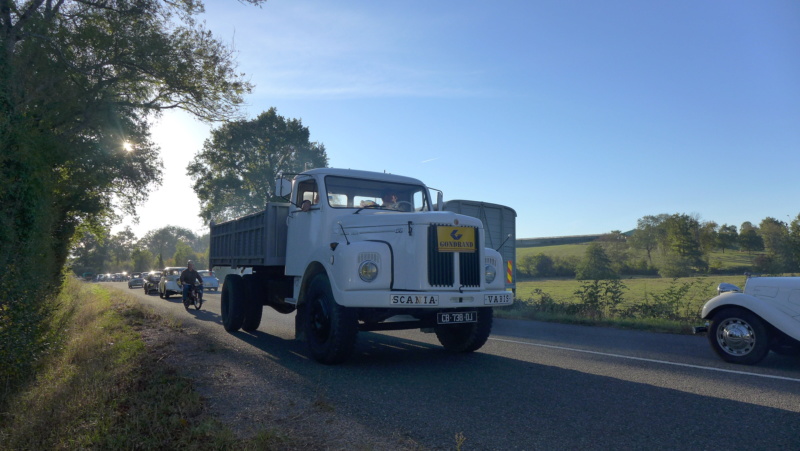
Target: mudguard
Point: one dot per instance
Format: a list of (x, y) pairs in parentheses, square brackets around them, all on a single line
[(775, 314)]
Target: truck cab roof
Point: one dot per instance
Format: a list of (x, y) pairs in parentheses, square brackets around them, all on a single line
[(355, 173)]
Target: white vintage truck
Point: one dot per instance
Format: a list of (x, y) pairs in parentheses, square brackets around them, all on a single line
[(358, 251)]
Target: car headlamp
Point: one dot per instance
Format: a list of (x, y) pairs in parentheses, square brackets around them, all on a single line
[(368, 271)]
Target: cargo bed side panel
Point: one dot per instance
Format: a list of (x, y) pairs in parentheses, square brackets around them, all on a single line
[(258, 239)]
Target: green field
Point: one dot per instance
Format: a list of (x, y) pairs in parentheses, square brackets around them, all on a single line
[(639, 289), (647, 302)]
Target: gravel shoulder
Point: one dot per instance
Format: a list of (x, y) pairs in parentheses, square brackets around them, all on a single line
[(252, 395)]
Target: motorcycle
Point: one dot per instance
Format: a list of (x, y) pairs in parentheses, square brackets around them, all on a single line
[(194, 297)]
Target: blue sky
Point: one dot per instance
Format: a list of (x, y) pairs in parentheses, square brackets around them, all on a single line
[(583, 116)]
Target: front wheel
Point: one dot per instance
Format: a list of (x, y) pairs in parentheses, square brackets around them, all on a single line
[(330, 329), (739, 336), (466, 337)]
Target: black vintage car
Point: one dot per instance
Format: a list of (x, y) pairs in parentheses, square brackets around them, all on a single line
[(136, 280), (151, 280)]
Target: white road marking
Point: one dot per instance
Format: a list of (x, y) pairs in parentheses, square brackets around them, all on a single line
[(664, 362)]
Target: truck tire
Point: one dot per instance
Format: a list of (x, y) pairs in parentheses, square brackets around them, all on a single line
[(467, 337), (253, 308), (232, 306), (739, 336), (330, 329)]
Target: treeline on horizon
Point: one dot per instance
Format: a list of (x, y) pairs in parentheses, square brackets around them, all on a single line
[(123, 252), (675, 245)]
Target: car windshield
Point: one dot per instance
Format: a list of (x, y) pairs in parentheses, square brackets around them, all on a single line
[(345, 192), (205, 273)]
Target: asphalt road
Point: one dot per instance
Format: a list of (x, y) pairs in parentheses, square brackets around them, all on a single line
[(532, 386)]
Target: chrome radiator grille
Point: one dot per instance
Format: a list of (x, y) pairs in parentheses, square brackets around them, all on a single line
[(441, 265)]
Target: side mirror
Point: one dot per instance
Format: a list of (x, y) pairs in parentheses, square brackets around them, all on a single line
[(283, 187), (439, 200)]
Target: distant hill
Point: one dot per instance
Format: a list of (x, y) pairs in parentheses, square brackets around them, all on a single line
[(556, 240)]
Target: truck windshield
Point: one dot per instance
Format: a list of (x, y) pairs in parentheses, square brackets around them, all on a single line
[(345, 192)]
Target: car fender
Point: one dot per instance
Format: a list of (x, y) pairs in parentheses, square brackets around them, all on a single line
[(778, 319)]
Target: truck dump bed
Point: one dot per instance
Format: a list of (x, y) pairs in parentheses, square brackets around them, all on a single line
[(258, 239)]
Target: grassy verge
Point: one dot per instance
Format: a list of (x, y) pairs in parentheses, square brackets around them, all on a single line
[(99, 388)]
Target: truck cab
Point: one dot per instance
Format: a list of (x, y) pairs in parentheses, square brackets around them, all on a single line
[(364, 251)]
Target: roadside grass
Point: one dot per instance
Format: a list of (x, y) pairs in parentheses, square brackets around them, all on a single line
[(99, 388)]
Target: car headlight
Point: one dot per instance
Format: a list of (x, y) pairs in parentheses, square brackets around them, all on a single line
[(726, 287), (368, 271), (491, 273)]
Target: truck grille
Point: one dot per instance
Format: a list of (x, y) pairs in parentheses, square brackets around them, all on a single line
[(441, 265)]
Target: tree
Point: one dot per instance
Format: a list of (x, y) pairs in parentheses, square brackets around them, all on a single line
[(708, 237), (595, 265), (775, 235), (90, 253), (120, 247), (164, 241), (794, 239), (183, 254), (615, 245), (235, 172), (539, 265), (142, 260), (80, 82), (682, 234), (649, 234), (749, 239), (727, 237)]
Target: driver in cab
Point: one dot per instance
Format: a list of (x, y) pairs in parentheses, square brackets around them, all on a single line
[(390, 200)]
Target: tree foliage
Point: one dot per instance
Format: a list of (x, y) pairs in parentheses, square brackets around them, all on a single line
[(235, 172), (749, 238), (595, 265), (78, 80)]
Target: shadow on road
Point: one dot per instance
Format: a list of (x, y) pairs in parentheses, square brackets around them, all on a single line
[(419, 389)]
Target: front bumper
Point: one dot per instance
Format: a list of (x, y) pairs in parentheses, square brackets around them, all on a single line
[(426, 299)]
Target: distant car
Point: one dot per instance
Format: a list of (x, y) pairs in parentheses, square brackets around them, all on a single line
[(210, 281), (744, 325), (136, 281), (168, 285), (151, 281)]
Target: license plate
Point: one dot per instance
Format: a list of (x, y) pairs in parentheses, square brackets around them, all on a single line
[(456, 317)]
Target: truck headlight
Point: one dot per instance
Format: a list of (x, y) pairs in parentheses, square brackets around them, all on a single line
[(491, 273), (368, 271)]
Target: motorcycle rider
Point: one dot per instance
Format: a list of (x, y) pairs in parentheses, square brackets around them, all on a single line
[(188, 278)]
